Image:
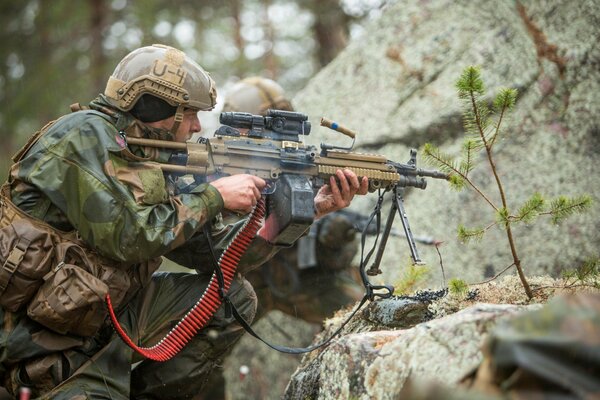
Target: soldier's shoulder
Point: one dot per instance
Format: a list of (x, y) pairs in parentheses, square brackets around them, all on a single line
[(81, 119), (85, 127)]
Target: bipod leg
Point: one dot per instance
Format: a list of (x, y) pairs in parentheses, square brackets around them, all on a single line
[(399, 201), (382, 291), (374, 268)]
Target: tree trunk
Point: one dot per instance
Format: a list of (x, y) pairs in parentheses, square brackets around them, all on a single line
[(98, 59), (330, 29), (239, 41), (271, 64)]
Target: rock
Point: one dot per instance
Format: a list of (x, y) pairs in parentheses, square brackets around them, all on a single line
[(268, 370), (375, 365), (395, 86), (396, 312)]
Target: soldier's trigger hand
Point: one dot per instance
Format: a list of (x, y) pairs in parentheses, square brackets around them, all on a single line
[(241, 192)]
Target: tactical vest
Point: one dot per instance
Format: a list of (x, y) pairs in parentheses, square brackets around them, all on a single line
[(54, 275)]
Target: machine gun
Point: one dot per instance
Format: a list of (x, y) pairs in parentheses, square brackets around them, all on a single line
[(271, 148)]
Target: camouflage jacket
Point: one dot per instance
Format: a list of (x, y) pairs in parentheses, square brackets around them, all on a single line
[(81, 175)]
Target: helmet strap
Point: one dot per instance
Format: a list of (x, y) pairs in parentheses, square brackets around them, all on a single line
[(177, 120)]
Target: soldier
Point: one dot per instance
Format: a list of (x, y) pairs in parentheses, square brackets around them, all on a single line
[(83, 215), (315, 277)]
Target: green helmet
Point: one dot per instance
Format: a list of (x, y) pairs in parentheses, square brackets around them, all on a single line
[(163, 72), (255, 95)]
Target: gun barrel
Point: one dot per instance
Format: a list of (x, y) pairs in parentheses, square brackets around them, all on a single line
[(412, 181), (433, 174)]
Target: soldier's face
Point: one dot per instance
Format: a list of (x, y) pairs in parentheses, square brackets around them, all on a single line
[(187, 127)]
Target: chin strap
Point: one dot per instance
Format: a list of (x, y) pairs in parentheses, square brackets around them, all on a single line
[(177, 120)]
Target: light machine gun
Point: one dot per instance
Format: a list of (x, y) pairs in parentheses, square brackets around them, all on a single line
[(271, 148)]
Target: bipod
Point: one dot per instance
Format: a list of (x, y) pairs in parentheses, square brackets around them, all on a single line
[(397, 207)]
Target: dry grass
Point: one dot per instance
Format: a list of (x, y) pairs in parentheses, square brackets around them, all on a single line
[(507, 290)]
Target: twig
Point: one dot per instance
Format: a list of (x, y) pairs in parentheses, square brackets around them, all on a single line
[(437, 248), (494, 277), (464, 176)]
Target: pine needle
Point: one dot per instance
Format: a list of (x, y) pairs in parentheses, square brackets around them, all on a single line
[(531, 208), (563, 207), (466, 235)]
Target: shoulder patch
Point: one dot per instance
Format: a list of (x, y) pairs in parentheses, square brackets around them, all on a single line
[(120, 141)]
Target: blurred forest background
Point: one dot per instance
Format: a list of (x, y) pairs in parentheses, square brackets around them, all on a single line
[(55, 53)]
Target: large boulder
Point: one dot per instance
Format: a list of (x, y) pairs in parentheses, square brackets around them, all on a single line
[(395, 86), (530, 351), (376, 365)]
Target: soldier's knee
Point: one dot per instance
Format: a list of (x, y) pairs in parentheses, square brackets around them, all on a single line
[(244, 299)]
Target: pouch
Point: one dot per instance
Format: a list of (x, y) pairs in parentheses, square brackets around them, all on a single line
[(26, 254), (71, 299)]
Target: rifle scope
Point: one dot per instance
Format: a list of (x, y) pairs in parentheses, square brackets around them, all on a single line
[(279, 121)]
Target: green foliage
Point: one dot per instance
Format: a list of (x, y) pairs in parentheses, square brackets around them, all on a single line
[(505, 99), (446, 164), (482, 128), (413, 276), (470, 146), (502, 217), (457, 182), (587, 274), (458, 287), (466, 235), (444, 161), (470, 82), (563, 207), (531, 208)]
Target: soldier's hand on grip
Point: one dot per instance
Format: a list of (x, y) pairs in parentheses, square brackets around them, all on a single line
[(241, 192)]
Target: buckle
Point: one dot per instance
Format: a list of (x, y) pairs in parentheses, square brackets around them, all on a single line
[(13, 260)]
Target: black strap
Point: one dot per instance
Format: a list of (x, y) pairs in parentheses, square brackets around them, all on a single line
[(232, 310), (293, 350)]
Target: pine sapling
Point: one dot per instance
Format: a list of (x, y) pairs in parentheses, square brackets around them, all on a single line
[(483, 127)]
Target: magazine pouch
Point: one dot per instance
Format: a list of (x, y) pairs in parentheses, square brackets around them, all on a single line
[(25, 258), (71, 298)]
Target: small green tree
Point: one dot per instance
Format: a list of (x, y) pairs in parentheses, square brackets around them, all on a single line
[(458, 288), (413, 276), (482, 129)]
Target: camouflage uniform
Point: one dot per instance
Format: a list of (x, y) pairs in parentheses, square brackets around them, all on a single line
[(81, 176), (313, 290)]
